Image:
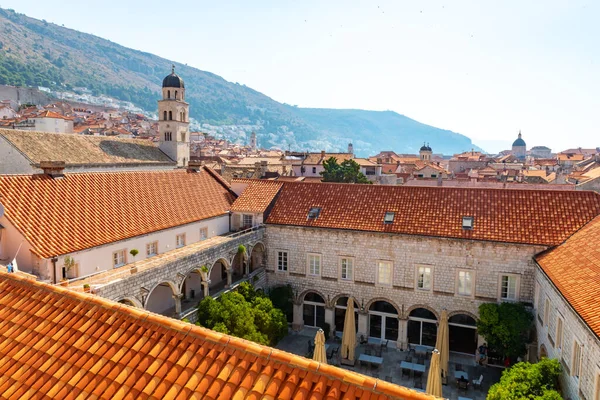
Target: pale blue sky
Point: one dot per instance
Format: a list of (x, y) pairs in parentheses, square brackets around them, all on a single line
[(482, 68)]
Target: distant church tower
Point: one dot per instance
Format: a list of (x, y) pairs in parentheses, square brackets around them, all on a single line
[(350, 148), (253, 143), (173, 120), (425, 152), (519, 148)]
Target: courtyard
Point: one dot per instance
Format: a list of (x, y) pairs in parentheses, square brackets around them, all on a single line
[(390, 369)]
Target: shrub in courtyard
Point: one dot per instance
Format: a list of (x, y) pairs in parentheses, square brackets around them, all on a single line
[(505, 327), (283, 298), (528, 381), (245, 313)]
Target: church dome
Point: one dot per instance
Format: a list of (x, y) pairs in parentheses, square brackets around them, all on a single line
[(519, 142), (425, 147), (173, 80)]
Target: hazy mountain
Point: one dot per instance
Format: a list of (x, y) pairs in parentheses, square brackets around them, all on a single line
[(38, 53)]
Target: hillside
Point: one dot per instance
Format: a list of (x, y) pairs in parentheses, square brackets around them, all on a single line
[(38, 53)]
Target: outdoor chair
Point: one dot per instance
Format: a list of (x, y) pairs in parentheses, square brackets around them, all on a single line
[(462, 385), (363, 339), (477, 382), (368, 351), (378, 351), (406, 372), (408, 358)]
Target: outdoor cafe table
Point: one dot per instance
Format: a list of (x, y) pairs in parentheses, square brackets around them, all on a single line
[(412, 366), (370, 359), (464, 398), (421, 350), (458, 374)]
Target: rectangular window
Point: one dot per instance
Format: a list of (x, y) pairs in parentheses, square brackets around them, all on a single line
[(576, 367), (424, 278), (347, 268), (546, 312), (180, 240), (203, 233), (508, 287), (314, 264), (384, 273), (248, 220), (314, 169), (152, 249), (118, 258), (282, 261), (559, 332), (388, 218), (314, 212), (465, 283), (467, 222)]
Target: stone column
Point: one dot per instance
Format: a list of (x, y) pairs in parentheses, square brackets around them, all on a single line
[(205, 287), (330, 319), (402, 342), (177, 298), (229, 272), (298, 322), (363, 321)]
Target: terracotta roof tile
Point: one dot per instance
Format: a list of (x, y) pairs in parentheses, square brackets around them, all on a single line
[(505, 215), (257, 196), (574, 268), (129, 353), (80, 211)]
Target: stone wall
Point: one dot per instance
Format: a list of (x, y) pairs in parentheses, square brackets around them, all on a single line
[(488, 260), (587, 386)]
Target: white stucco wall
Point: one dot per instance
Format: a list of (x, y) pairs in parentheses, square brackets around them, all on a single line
[(101, 258), (12, 161), (55, 125)]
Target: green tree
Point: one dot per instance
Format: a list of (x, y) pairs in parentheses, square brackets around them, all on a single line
[(283, 299), (245, 313), (505, 327), (346, 172), (528, 381)]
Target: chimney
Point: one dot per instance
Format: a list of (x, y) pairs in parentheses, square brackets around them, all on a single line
[(263, 168), (322, 153), (195, 166), (439, 180), (54, 169)]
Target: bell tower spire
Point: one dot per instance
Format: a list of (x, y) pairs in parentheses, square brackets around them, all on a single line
[(173, 120)]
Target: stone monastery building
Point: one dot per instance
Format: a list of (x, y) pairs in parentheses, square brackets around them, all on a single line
[(403, 253)]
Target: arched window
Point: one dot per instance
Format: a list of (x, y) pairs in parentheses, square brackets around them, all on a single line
[(422, 327), (183, 116), (383, 321), (183, 136), (164, 116), (176, 95), (168, 94), (314, 310), (170, 115)]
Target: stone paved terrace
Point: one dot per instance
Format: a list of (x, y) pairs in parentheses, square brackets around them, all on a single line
[(297, 343)]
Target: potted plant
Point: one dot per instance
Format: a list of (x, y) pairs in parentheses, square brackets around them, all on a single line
[(134, 252), (204, 272), (86, 287), (69, 263)]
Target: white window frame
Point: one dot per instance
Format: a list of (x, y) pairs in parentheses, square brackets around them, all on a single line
[(116, 255), (576, 359), (546, 311), (472, 278), (152, 246), (203, 233), (517, 279), (418, 269), (348, 263), (180, 240), (559, 333), (313, 264), (244, 216), (378, 277), (281, 254)]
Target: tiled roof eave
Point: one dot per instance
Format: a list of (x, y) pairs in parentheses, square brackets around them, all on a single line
[(412, 234)]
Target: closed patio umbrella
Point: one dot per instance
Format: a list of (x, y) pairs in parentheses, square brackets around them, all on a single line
[(319, 354), (434, 379), (349, 335), (442, 343)]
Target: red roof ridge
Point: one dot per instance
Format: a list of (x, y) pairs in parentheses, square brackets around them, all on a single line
[(232, 343)]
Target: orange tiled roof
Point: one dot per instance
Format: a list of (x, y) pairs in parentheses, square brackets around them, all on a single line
[(52, 114), (514, 216), (574, 268), (80, 211), (317, 159), (257, 196), (57, 343)]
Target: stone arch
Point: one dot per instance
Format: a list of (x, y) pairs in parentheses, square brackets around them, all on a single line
[(160, 298), (376, 299), (131, 301), (191, 285), (334, 300), (170, 115), (303, 295), (218, 278), (425, 306), (164, 115), (453, 313), (212, 264), (257, 255), (168, 94), (188, 272)]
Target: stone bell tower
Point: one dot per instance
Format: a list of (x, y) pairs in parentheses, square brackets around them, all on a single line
[(173, 120)]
